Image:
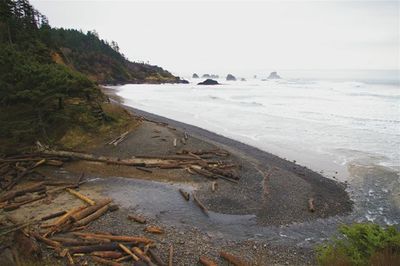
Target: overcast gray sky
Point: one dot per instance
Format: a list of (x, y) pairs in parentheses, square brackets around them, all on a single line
[(210, 36)]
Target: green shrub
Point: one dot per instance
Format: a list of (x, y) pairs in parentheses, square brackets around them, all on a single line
[(361, 244)]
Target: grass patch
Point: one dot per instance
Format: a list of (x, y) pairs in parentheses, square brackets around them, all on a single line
[(362, 244)]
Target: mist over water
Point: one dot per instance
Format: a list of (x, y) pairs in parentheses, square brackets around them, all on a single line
[(344, 129)]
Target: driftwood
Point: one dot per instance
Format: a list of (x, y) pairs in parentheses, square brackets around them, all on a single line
[(137, 219), (156, 258), (214, 186), (46, 240), (107, 254), (93, 216), (52, 216), (106, 262), (54, 162), (66, 216), (89, 210), (92, 248), (15, 206), (144, 169), (80, 196), (185, 135), (128, 251), (206, 261), (175, 142), (138, 252), (23, 174), (171, 255), (154, 229), (12, 194), (201, 206), (76, 242), (184, 194), (135, 239), (119, 139), (311, 206), (233, 259)]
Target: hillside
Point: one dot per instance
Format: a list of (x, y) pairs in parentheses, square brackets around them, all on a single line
[(49, 77)]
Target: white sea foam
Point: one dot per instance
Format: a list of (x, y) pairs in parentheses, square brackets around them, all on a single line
[(312, 122)]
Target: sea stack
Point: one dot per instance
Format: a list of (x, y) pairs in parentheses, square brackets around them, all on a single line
[(195, 76), (230, 77), (209, 82), (274, 75)]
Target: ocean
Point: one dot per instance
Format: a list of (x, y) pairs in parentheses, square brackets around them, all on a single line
[(344, 125)]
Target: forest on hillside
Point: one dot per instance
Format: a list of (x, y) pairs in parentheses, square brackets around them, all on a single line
[(48, 76)]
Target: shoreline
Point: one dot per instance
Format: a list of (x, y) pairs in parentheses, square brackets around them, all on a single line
[(290, 177)]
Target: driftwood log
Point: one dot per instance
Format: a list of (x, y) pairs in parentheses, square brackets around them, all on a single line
[(201, 206), (137, 219), (236, 261), (135, 239), (184, 194), (206, 261)]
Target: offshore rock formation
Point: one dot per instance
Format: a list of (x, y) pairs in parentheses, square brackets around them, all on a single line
[(195, 76), (209, 82), (230, 77), (274, 75)]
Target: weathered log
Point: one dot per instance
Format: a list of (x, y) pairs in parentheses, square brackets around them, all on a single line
[(66, 216), (214, 186), (136, 239), (154, 229), (311, 206), (203, 172), (144, 169), (106, 262), (156, 258), (128, 251), (92, 248), (15, 193), (107, 254), (118, 139), (22, 198), (80, 196), (24, 173), (139, 253), (233, 259), (54, 162), (46, 240), (202, 207), (137, 219), (74, 242), (175, 140), (207, 262), (124, 258), (184, 194), (93, 216), (53, 215), (89, 210), (15, 206), (171, 255)]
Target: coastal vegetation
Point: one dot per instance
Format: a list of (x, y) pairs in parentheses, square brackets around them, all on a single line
[(362, 244), (49, 78)]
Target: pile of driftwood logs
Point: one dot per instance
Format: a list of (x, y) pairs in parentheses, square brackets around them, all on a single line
[(63, 231)]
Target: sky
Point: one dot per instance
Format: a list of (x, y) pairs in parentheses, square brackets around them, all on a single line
[(241, 36)]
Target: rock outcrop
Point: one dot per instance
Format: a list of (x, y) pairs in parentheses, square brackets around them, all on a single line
[(230, 77), (209, 82), (206, 76), (274, 75), (195, 76)]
